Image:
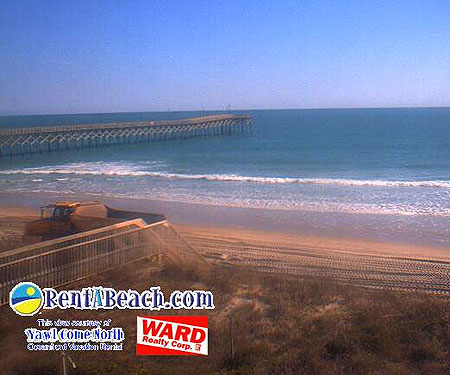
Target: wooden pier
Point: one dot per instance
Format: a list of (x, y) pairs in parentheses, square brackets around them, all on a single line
[(19, 141)]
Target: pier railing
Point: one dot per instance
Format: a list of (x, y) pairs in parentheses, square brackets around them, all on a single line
[(15, 141), (71, 258)]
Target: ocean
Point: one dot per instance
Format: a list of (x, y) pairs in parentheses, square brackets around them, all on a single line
[(375, 163)]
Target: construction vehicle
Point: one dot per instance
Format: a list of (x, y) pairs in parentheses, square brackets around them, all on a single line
[(63, 218)]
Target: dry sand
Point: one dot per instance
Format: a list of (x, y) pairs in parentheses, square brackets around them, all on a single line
[(359, 262), (12, 226)]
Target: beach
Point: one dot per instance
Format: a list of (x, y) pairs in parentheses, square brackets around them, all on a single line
[(244, 239), (356, 195)]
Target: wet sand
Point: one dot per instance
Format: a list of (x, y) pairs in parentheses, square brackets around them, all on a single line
[(378, 228)]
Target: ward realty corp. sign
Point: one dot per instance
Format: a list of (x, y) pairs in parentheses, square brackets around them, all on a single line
[(172, 335)]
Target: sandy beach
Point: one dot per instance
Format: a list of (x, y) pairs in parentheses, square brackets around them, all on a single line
[(353, 261), (365, 262)]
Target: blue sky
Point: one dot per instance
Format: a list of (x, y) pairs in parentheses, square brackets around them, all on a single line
[(115, 56)]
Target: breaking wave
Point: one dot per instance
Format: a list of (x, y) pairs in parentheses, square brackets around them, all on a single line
[(120, 170)]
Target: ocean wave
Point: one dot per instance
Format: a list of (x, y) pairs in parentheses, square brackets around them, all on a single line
[(124, 171), (300, 181)]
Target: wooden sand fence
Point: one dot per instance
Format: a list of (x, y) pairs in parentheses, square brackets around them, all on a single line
[(71, 258)]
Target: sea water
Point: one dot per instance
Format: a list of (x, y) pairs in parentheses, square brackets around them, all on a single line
[(381, 162)]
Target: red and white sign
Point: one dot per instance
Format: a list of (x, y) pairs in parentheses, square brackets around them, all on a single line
[(172, 335)]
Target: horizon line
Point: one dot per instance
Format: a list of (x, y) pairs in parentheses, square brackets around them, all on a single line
[(223, 110)]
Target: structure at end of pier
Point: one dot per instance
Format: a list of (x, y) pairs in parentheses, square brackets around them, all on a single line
[(20, 141)]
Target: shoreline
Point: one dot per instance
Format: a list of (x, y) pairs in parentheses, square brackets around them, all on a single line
[(331, 226)]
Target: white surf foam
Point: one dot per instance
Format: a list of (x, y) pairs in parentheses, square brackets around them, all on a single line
[(124, 170)]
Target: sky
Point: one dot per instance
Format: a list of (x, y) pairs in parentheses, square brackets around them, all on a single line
[(128, 56)]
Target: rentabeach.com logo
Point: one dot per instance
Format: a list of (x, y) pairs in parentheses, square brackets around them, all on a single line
[(27, 299)]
